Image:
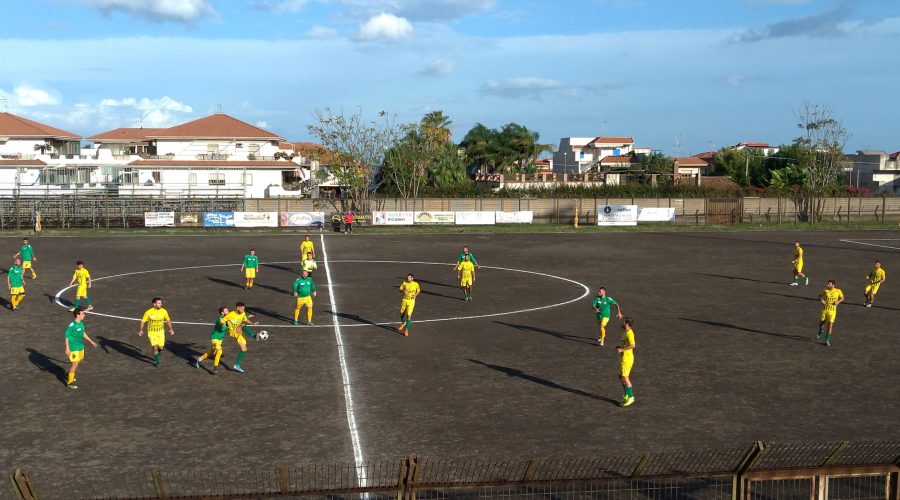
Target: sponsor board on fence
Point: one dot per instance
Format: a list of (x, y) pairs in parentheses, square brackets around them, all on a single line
[(471, 218), (159, 219), (435, 218), (518, 217), (256, 219), (302, 219), (617, 215), (218, 219), (359, 219), (189, 219), (656, 214), (393, 218)]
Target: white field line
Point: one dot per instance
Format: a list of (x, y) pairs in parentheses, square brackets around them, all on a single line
[(584, 294), (859, 242), (361, 475)]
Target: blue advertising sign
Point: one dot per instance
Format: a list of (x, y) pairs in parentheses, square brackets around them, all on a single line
[(218, 219)]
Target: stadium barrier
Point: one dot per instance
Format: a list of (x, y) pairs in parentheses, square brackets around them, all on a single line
[(128, 212), (820, 471)]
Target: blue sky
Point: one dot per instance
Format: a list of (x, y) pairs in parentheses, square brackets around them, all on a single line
[(701, 73)]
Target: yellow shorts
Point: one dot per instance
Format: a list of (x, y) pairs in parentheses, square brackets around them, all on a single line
[(26, 265), (873, 289), (239, 338), (603, 321), (625, 365), (798, 267), (828, 316), (76, 356), (17, 290), (81, 293), (407, 306), (250, 272), (215, 345), (157, 339), (304, 301), (465, 281)]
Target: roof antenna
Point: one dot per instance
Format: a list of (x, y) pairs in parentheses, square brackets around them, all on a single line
[(4, 103), (219, 107)]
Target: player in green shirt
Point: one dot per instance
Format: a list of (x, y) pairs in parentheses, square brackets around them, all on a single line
[(16, 285), (249, 268), (304, 289), (601, 305), (75, 337), (462, 256), (27, 254), (220, 329)]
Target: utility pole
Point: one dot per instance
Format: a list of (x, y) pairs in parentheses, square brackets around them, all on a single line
[(747, 168)]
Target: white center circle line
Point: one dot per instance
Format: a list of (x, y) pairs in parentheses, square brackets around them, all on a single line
[(586, 292)]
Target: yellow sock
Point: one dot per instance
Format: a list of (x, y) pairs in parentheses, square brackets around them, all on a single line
[(71, 378), (296, 314), (309, 314), (217, 358), (203, 356), (602, 333)]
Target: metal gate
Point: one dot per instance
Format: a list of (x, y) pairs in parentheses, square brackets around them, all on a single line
[(723, 210)]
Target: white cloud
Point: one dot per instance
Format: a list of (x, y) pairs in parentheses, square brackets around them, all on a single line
[(438, 67), (24, 95), (385, 26), (292, 6), (735, 80), (157, 10), (527, 86), (262, 124), (419, 10), (321, 32)]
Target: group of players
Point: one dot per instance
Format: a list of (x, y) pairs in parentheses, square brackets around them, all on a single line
[(832, 296)]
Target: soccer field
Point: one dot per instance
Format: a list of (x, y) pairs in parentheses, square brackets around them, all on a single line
[(726, 351)]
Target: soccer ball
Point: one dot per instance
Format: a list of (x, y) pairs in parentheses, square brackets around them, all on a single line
[(263, 335)]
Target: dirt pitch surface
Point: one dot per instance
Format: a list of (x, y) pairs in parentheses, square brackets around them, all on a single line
[(726, 351)]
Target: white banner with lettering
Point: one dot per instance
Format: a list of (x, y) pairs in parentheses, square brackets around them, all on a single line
[(656, 214), (617, 215), (256, 219), (519, 217), (440, 217), (159, 219), (476, 218), (393, 218)]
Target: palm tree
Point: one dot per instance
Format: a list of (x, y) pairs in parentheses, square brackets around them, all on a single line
[(436, 128), (43, 147), (480, 144)]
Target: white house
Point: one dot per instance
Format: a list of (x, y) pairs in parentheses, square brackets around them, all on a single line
[(875, 170), (579, 154), (763, 147)]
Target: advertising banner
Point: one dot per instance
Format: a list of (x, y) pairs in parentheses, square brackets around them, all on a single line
[(473, 218), (393, 218), (302, 219), (617, 215), (218, 219), (256, 219), (520, 217), (189, 219), (359, 218), (159, 219), (435, 218), (656, 215)]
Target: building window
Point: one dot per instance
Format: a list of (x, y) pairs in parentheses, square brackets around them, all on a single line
[(253, 149), (581, 155), (192, 178), (212, 149), (157, 176), (248, 179), (216, 179)]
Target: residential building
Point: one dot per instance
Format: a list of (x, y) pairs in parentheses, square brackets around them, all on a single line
[(691, 168), (874, 170), (762, 147), (581, 154)]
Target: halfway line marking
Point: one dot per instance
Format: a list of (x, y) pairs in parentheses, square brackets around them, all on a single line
[(872, 244), (345, 376)]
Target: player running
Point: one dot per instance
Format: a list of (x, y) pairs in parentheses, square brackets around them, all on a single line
[(16, 283), (462, 256), (237, 322), (309, 264), (304, 289), (220, 328), (876, 278), (830, 297), (306, 248), (75, 337), (626, 361), (27, 253), (410, 290), (83, 277), (465, 271), (249, 267), (798, 265), (156, 316), (601, 305)]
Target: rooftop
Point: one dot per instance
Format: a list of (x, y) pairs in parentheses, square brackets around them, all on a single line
[(217, 126), (15, 126), (125, 135)]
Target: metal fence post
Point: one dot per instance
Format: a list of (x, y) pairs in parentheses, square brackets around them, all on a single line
[(158, 484), (282, 480), (23, 485), (409, 480)]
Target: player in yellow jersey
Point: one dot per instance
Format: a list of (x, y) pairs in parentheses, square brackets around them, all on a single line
[(830, 297), (876, 278), (798, 265), (156, 316), (307, 247), (465, 271), (83, 277), (626, 361), (410, 290), (237, 322)]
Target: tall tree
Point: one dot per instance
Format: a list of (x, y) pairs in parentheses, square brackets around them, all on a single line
[(821, 156)]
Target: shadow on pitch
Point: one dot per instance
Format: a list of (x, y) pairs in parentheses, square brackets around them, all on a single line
[(816, 299), (435, 283), (225, 282), (750, 330), (572, 338), (5, 303), (132, 351), (47, 364), (740, 278), (364, 321), (512, 372), (282, 268), (435, 294), (186, 351), (269, 313), (273, 288)]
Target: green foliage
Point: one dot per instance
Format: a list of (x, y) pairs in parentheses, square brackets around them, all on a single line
[(510, 149), (657, 162)]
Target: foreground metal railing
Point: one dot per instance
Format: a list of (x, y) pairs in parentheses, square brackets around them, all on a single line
[(838, 470)]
